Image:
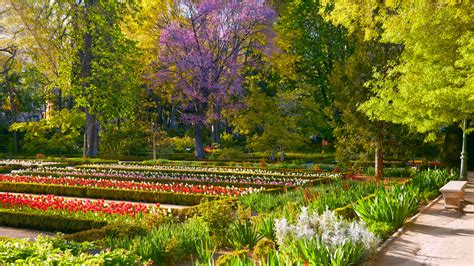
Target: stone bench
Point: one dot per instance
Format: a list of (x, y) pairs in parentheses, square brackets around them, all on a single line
[(453, 193)]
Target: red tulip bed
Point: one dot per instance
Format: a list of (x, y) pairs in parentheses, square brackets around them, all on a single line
[(77, 208)]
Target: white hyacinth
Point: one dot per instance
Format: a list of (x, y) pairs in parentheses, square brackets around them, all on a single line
[(332, 230)]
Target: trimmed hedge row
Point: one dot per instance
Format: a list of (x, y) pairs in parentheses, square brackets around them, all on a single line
[(156, 180), (107, 193), (49, 223)]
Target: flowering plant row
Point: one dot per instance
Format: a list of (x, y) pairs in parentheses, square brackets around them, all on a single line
[(167, 176), (132, 185), (26, 163), (86, 208), (207, 170)]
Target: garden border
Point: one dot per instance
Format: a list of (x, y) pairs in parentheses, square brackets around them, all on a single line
[(400, 230)]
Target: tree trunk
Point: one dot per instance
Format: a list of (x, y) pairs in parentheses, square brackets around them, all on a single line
[(199, 143), (379, 165), (13, 114), (282, 155), (153, 132), (92, 130), (215, 134), (272, 158)]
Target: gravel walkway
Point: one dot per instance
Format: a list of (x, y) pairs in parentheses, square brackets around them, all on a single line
[(437, 237), (21, 233)]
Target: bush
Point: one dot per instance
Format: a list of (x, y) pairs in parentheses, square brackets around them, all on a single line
[(218, 215), (392, 206), (243, 234), (432, 180), (263, 248), (382, 229), (56, 251), (171, 243), (50, 223), (232, 154)]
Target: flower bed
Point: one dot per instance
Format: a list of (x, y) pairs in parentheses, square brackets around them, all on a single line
[(213, 170), (26, 163), (107, 193), (86, 208), (132, 185), (190, 177)]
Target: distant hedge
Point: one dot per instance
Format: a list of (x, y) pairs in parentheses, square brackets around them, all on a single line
[(49, 223)]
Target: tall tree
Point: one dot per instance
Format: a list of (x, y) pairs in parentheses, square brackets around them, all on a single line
[(431, 86), (105, 83), (203, 52)]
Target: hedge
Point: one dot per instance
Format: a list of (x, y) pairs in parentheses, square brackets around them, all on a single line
[(50, 223), (114, 230), (107, 193)]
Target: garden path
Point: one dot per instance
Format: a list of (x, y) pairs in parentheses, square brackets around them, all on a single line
[(21, 233), (436, 237), (163, 206)]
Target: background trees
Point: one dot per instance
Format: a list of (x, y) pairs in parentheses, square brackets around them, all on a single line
[(203, 51), (279, 76)]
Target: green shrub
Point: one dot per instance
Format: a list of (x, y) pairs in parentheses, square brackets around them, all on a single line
[(50, 223), (218, 215), (205, 250), (265, 202), (339, 194), (263, 248), (56, 251), (171, 243), (392, 206), (265, 225), (432, 180), (243, 234), (382, 229)]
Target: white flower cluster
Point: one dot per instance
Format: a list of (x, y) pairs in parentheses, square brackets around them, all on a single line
[(332, 230)]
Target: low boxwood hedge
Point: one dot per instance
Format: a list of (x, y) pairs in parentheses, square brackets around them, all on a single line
[(107, 193), (49, 223)]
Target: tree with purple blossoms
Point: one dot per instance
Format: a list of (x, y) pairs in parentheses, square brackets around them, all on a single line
[(203, 51)]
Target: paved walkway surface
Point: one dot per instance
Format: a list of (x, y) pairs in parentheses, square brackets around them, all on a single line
[(164, 206), (21, 233), (437, 237)]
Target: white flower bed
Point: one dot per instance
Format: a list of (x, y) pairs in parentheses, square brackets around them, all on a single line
[(330, 229)]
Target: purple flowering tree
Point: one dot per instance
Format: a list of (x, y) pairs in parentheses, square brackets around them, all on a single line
[(203, 51)]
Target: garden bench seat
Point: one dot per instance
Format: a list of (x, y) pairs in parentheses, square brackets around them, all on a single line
[(453, 193)]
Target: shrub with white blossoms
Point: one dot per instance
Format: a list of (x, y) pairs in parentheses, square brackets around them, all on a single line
[(331, 230)]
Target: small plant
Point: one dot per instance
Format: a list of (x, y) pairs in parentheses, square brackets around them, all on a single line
[(243, 234), (392, 206), (266, 225), (263, 248), (205, 251)]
